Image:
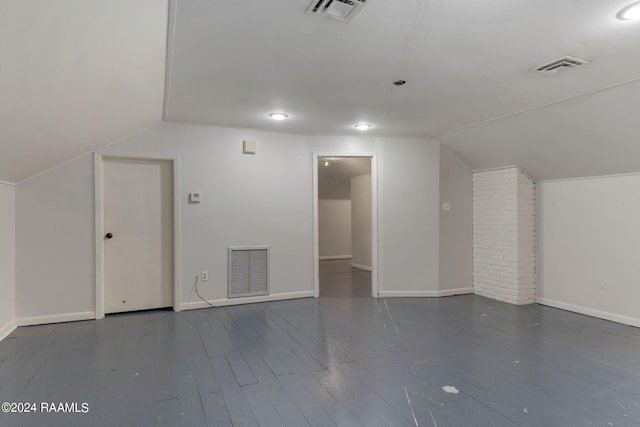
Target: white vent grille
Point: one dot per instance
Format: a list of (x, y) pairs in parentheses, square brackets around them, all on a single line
[(561, 64), (340, 10), (248, 271)]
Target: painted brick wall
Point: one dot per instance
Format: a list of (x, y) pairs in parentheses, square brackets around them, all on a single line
[(504, 251)]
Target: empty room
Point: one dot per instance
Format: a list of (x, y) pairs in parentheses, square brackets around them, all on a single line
[(319, 213)]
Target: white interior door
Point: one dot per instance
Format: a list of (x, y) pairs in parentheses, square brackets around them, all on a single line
[(138, 241)]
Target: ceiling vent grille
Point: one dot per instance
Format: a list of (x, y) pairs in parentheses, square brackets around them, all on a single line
[(340, 10), (562, 64)]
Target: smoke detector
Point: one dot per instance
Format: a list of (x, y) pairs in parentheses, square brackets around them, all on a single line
[(562, 64), (339, 10)]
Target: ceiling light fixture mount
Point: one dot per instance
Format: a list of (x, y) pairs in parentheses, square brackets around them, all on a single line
[(362, 126), (631, 12), (278, 116)]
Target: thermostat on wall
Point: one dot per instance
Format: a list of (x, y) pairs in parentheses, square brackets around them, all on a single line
[(195, 197)]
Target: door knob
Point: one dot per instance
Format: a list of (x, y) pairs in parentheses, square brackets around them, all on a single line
[(109, 235)]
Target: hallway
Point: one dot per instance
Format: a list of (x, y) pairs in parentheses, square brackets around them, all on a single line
[(339, 279)]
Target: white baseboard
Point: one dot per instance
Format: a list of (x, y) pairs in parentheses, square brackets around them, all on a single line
[(247, 300), (425, 294), (360, 266), (328, 257), (55, 318), (590, 312), (7, 329)]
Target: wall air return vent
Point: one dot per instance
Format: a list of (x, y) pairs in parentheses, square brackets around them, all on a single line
[(562, 64), (248, 271), (340, 10)]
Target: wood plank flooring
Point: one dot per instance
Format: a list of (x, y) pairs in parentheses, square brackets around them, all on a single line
[(448, 362), (339, 279)]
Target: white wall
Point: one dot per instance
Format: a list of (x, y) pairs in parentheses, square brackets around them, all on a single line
[(261, 199), (589, 246), (55, 244), (7, 258), (329, 187), (456, 257), (247, 200), (361, 222), (410, 217), (334, 228)]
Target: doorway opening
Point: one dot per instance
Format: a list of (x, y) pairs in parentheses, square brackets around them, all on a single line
[(345, 203)]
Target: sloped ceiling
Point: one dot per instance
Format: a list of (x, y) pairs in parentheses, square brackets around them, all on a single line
[(467, 66), (78, 74), (75, 75)]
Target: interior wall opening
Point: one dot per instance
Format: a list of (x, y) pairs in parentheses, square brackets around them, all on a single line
[(345, 226)]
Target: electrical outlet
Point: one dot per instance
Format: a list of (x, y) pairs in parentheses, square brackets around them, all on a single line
[(446, 206), (204, 276)]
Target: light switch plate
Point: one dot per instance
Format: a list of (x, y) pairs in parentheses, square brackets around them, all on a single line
[(446, 206)]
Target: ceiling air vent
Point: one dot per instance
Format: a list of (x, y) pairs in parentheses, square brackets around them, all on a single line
[(340, 10), (561, 64)]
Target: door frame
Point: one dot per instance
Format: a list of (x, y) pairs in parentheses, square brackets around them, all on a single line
[(375, 242), (99, 224)]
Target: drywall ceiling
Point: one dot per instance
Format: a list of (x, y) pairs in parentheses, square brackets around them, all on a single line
[(344, 168), (76, 75), (465, 62), (79, 74), (591, 135)]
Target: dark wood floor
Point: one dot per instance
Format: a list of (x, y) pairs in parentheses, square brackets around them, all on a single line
[(339, 279), (461, 361)]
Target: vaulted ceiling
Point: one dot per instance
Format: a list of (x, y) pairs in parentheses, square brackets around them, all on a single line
[(82, 73), (75, 75)]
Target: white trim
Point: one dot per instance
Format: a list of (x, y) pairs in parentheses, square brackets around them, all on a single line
[(316, 235), (633, 321), (375, 242), (360, 266), (329, 257), (177, 260), (9, 327), (582, 178), (379, 245), (374, 216), (55, 318), (426, 294), (246, 300), (99, 224), (7, 183)]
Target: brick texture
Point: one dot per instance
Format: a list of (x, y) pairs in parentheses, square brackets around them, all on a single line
[(504, 247)]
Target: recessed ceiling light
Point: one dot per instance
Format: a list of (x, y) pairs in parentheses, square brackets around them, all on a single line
[(362, 126), (278, 116), (630, 12), (326, 163)]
